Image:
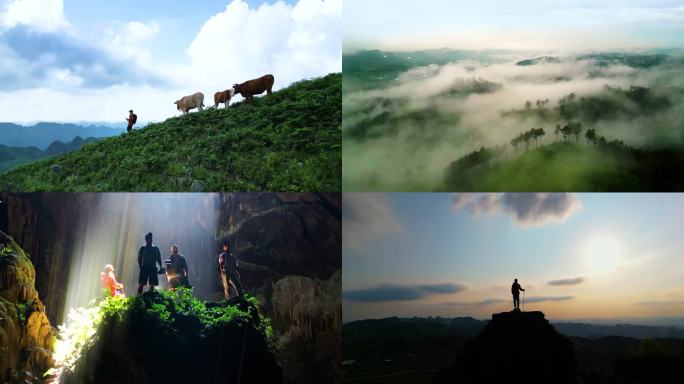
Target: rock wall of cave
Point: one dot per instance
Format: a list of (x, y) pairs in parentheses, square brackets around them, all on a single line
[(289, 247), (43, 225), (26, 339)]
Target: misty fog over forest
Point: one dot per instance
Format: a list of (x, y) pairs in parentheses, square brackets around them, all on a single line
[(511, 120)]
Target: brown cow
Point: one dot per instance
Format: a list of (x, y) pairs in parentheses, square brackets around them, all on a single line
[(254, 87), (223, 97), (186, 103)]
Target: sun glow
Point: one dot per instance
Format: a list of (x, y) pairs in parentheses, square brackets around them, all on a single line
[(602, 255)]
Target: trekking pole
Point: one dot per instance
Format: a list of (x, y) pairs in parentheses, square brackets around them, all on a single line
[(523, 301)]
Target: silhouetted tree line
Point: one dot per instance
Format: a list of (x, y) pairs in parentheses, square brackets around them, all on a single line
[(613, 103)]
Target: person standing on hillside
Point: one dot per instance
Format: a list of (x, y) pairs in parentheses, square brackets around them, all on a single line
[(515, 290), (228, 269), (148, 258), (132, 119)]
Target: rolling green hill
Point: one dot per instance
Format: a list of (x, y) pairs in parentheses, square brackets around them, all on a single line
[(560, 166), (289, 141)]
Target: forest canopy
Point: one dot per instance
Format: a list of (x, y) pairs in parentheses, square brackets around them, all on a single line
[(421, 120)]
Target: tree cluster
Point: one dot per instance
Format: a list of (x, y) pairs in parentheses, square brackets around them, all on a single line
[(534, 136), (569, 130)]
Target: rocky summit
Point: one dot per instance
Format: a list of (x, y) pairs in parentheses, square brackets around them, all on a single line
[(515, 347)]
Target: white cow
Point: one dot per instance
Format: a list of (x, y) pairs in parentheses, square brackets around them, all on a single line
[(187, 103)]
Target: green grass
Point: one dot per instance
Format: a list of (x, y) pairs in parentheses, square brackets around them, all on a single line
[(290, 141)]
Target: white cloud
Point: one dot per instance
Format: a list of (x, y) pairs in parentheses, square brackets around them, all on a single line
[(291, 42), (99, 75), (129, 39), (85, 104), (366, 216), (137, 31), (42, 15), (522, 24)]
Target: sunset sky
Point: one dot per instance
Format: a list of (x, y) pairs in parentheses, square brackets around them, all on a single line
[(578, 255)]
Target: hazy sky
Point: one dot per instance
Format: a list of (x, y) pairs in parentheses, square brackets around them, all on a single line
[(513, 24), (93, 60), (578, 255)]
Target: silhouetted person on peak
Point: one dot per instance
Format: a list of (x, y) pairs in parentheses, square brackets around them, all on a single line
[(515, 290)]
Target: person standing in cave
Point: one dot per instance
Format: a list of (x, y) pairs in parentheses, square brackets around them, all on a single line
[(176, 269), (148, 258), (228, 269), (109, 283)]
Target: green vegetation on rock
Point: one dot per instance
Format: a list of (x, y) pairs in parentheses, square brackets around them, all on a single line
[(26, 337), (289, 141), (167, 335)]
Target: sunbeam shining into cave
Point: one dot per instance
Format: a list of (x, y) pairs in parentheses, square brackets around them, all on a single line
[(111, 228)]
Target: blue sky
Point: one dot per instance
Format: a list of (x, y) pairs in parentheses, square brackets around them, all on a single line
[(92, 60), (514, 24), (174, 17), (609, 255)]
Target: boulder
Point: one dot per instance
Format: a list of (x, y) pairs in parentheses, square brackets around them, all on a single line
[(197, 186)]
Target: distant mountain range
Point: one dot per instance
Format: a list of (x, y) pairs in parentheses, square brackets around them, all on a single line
[(41, 135), (419, 350), (468, 326), (11, 157)]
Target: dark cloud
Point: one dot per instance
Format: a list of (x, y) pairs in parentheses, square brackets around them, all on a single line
[(568, 281), (548, 298), (524, 208), (459, 200), (35, 54), (539, 207), (398, 292), (442, 288), (481, 302), (366, 217)]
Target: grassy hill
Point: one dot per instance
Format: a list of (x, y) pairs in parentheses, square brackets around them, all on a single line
[(577, 167), (289, 141)]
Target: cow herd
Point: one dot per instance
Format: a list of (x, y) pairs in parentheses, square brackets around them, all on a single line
[(247, 89)]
